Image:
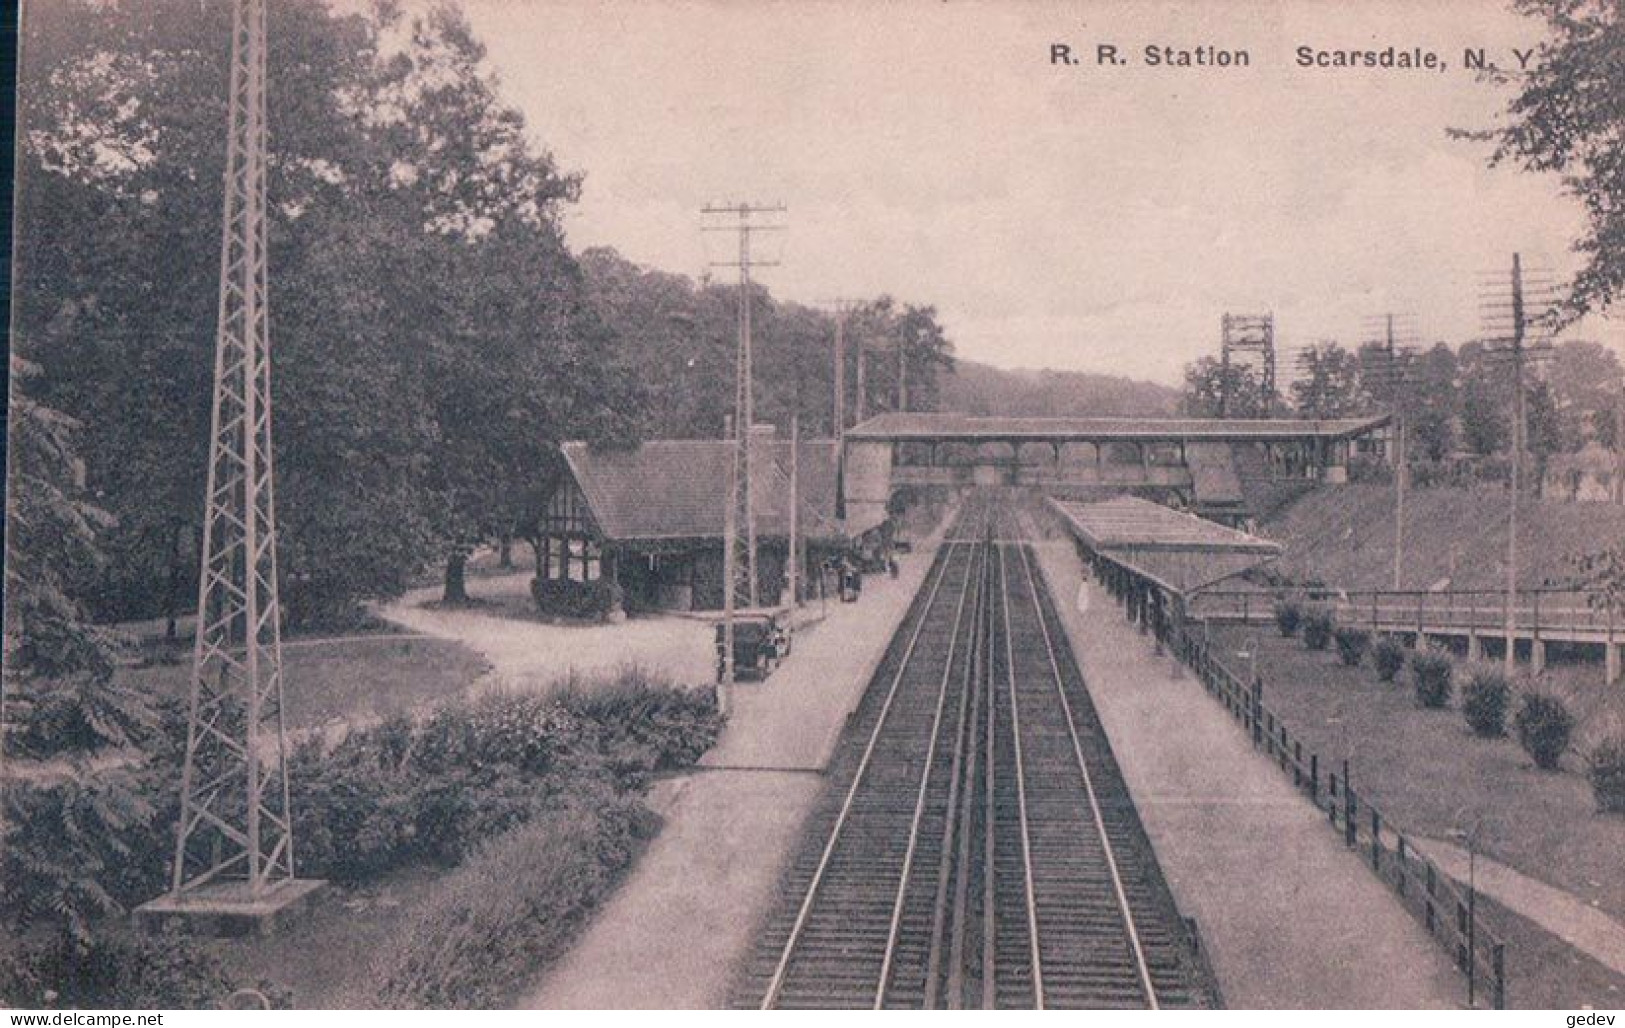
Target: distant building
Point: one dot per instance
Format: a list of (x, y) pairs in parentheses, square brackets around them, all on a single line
[(650, 519)]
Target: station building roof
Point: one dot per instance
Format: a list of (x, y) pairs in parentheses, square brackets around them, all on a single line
[(944, 427), (1179, 551), (669, 489)]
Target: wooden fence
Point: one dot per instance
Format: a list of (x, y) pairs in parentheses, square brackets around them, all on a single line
[(1556, 614), (1443, 905)]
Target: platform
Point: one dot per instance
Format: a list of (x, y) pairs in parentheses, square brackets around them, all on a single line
[(228, 909), (1289, 917)]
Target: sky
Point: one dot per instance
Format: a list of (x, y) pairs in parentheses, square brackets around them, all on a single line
[(1086, 217)]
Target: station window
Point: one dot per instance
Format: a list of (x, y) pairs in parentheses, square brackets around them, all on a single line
[(575, 560)]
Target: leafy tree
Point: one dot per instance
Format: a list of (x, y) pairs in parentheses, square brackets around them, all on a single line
[(1587, 384), (1486, 389), (1330, 384), (65, 822), (1207, 384), (1568, 117), (1429, 398)]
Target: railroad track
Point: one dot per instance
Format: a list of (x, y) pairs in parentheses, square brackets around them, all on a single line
[(976, 846)]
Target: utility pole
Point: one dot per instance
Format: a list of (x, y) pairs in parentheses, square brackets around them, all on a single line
[(234, 840), (1517, 462), (740, 504), (794, 549), (902, 372), (862, 391), (840, 377), (1401, 461), (1619, 450)]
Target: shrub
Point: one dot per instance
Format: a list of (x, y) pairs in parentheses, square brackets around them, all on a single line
[(1351, 645), (1544, 725), (1288, 615), (111, 970), (1605, 768), (581, 600), (1485, 700), (1430, 676), (512, 907), (1318, 625), (1388, 656), (402, 793)]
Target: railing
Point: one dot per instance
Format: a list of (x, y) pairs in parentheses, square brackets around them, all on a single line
[(1559, 614), (1448, 910)]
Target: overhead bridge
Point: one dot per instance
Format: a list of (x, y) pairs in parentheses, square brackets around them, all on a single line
[(1208, 464)]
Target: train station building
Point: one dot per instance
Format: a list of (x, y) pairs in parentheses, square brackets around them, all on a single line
[(650, 519)]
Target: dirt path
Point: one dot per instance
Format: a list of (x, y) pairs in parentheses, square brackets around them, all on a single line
[(531, 655)]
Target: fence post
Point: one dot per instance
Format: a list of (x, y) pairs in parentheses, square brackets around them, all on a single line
[(1297, 765), (1402, 863), (1498, 970), (1258, 707), (1314, 778), (1351, 809), (1427, 900), (1376, 842)]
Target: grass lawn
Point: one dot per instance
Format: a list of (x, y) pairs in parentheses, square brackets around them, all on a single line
[(1430, 775), (352, 679)]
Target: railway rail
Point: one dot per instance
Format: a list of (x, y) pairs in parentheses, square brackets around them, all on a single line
[(976, 846)]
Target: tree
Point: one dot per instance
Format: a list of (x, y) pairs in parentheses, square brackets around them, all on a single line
[(1330, 384), (1429, 399), (1486, 391), (1214, 390), (1568, 117), (1588, 384), (65, 822)]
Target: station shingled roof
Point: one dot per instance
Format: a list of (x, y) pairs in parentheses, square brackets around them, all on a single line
[(1179, 551), (676, 488)]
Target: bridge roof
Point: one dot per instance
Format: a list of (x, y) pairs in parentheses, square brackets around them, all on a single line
[(944, 427), (1178, 551)]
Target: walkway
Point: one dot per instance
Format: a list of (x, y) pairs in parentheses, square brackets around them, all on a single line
[(1288, 916), (530, 655), (675, 931), (1565, 915)]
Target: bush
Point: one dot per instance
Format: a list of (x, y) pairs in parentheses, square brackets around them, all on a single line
[(586, 601), (1288, 615), (1388, 656), (111, 970), (1485, 701), (1351, 645), (403, 793), (1318, 625), (513, 907), (1605, 769), (1430, 676), (1544, 726)]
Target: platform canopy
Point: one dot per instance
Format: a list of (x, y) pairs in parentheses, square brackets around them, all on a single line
[(939, 427), (1179, 552)]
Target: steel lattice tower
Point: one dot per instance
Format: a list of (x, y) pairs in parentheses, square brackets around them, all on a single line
[(1248, 334), (234, 823)]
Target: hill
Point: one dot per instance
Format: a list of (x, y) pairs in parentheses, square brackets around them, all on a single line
[(1454, 537), (982, 389)]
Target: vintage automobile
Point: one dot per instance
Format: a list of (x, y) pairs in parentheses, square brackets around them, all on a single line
[(761, 641)]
